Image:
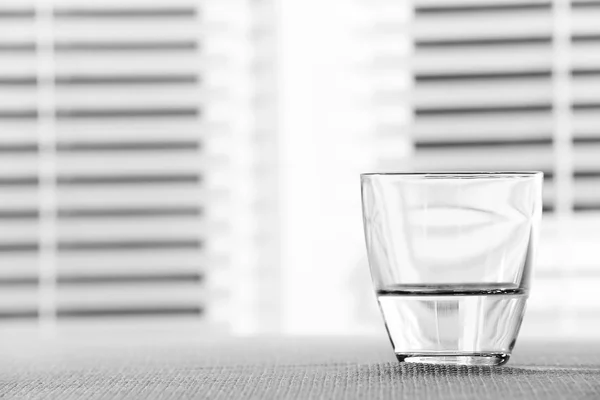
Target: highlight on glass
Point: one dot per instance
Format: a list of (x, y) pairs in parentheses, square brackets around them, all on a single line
[(451, 257)]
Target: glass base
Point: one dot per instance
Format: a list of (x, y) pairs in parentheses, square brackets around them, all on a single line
[(481, 359)]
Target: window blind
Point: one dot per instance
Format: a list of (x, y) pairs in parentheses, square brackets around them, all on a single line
[(127, 142), (510, 85)]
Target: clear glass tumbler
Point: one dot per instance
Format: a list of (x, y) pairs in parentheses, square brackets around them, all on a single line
[(451, 257)]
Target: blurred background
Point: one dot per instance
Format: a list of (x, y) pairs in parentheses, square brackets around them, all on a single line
[(191, 166)]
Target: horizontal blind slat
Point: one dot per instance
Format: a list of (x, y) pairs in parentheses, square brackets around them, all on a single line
[(64, 13), (478, 8)]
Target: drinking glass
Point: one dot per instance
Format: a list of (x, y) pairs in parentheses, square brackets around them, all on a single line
[(450, 257)]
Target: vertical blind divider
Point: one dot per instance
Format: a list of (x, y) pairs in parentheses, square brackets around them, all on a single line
[(201, 116), (46, 131), (563, 142), (563, 115)]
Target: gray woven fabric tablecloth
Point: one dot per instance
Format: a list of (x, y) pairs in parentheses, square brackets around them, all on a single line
[(283, 368)]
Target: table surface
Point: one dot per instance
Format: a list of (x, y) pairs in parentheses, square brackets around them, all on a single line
[(282, 368)]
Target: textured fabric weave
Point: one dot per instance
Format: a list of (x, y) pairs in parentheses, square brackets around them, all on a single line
[(284, 368)]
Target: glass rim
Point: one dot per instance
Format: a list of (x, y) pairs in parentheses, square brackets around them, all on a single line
[(457, 174)]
